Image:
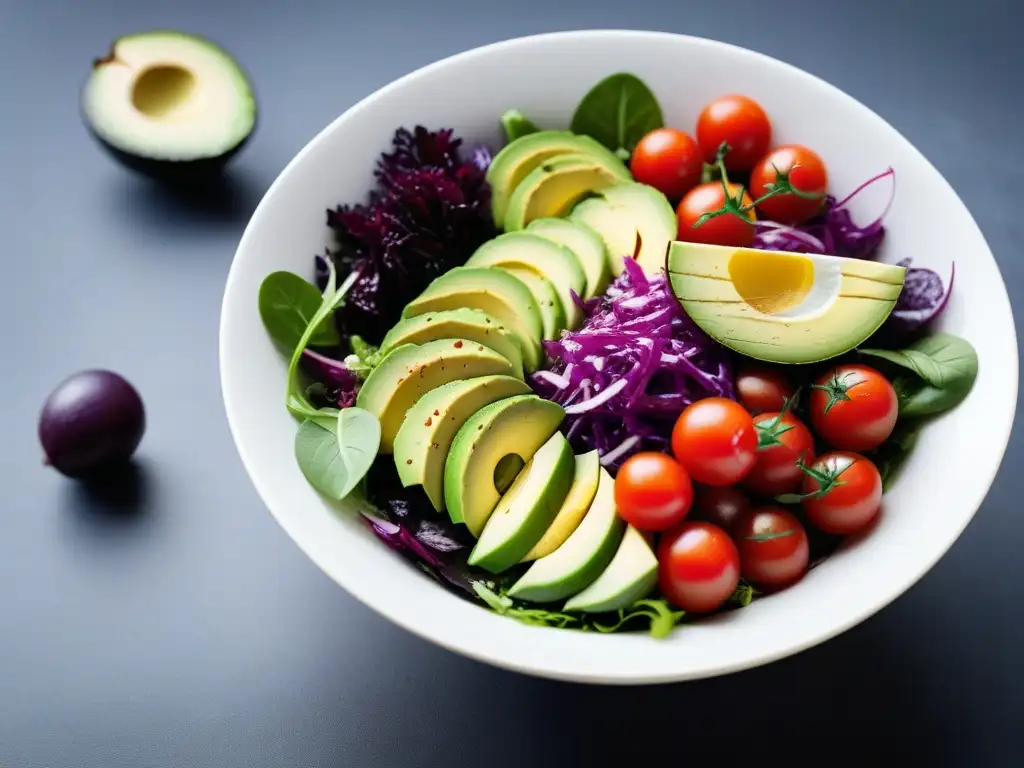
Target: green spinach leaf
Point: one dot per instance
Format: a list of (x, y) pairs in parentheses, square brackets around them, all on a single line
[(618, 112), (287, 304), (891, 456), (516, 125), (942, 367), (334, 461)]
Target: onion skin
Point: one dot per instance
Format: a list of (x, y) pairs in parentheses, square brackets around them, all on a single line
[(92, 420)]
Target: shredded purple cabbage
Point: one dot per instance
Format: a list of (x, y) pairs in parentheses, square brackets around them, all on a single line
[(429, 212), (922, 299), (337, 384), (627, 373), (832, 232), (404, 519)]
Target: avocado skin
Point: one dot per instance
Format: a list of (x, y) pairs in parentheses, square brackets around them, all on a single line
[(172, 172)]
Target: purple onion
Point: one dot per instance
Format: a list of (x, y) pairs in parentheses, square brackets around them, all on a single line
[(92, 420)]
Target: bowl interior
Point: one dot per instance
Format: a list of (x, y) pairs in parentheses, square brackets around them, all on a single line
[(545, 76)]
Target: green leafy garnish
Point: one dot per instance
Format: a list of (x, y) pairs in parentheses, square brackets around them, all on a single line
[(891, 456), (334, 461), (742, 596), (364, 358), (658, 614), (618, 112), (332, 298), (942, 370), (516, 125), (287, 304)]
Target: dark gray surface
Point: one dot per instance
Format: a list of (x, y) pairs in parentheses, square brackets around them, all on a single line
[(187, 630)]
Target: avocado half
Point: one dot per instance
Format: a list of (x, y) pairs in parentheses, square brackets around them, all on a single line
[(169, 104)]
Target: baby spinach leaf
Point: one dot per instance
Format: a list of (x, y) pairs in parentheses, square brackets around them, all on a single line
[(942, 367), (287, 304), (516, 125), (334, 461), (891, 455), (618, 112)]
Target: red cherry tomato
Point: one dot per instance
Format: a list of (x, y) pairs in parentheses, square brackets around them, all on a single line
[(715, 440), (721, 505), (738, 121), (698, 566), (760, 389), (668, 160), (806, 173), (727, 229), (852, 492), (853, 407), (783, 441), (652, 491), (773, 546)]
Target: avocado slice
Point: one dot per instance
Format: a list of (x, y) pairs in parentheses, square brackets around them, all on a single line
[(630, 576), (463, 323), (585, 480), (634, 220), (425, 437), (579, 561), (552, 316), (516, 426), (555, 262), (169, 104), (410, 371), (585, 243), (554, 186), (493, 291), (512, 164), (782, 307), (527, 508)]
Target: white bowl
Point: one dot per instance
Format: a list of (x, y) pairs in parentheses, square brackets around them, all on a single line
[(939, 491)]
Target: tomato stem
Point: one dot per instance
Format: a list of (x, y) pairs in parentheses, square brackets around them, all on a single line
[(781, 186), (836, 388), (771, 535), (768, 432)]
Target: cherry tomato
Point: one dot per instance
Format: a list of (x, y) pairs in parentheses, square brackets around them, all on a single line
[(761, 389), (652, 491), (715, 440), (773, 546), (668, 160), (722, 505), (782, 441), (852, 492), (698, 566), (853, 407), (727, 229), (806, 173), (738, 121)]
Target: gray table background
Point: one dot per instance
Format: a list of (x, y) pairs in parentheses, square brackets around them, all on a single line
[(176, 625)]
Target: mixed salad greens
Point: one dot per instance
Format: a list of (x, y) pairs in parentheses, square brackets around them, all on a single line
[(613, 376)]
